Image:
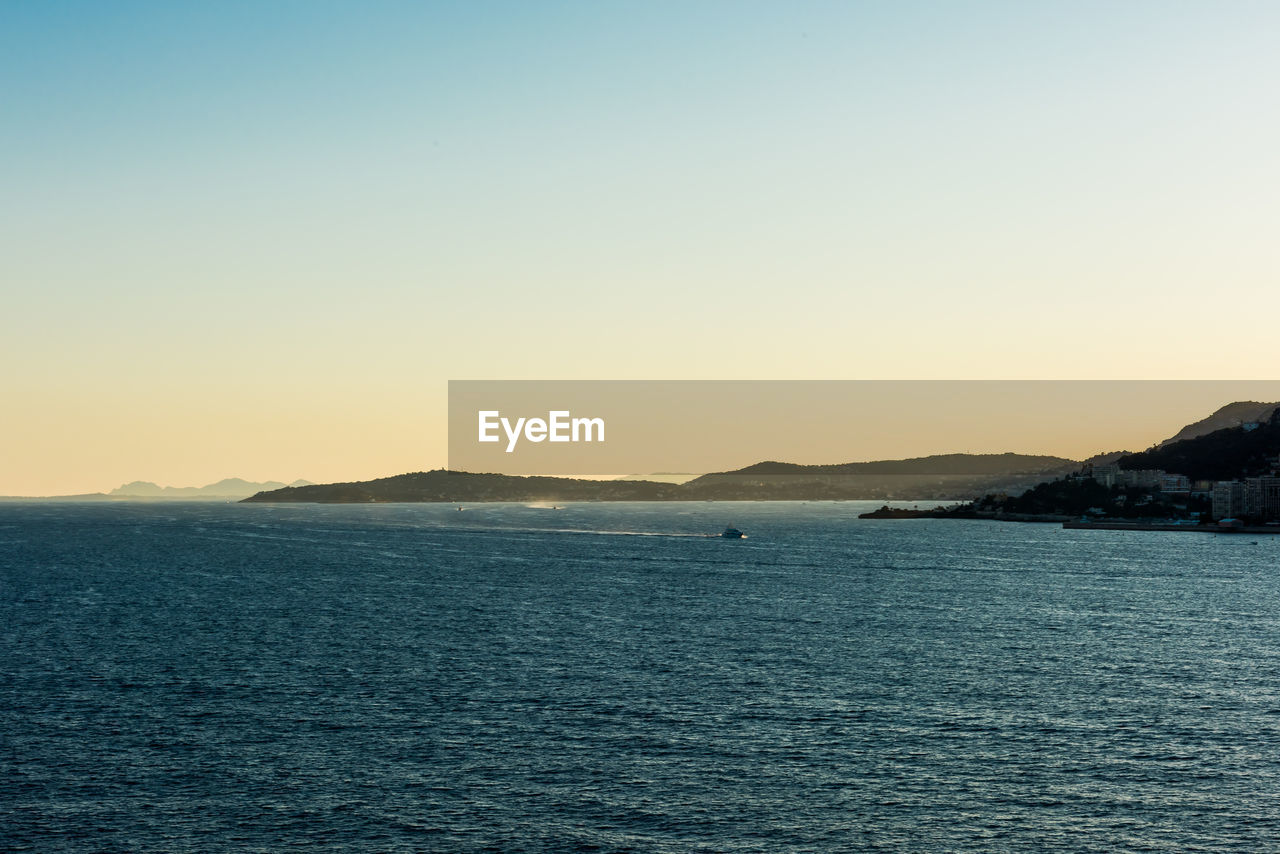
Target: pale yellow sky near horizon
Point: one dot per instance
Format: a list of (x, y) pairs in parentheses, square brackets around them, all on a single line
[(259, 241), (192, 446)]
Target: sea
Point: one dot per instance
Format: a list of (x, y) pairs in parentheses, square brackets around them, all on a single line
[(183, 677)]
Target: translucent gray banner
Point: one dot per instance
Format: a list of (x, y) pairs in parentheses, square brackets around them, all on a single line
[(612, 428)]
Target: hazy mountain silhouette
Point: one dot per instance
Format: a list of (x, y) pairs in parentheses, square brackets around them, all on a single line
[(231, 487)]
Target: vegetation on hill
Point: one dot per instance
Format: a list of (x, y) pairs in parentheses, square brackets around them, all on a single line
[(1231, 415), (1232, 452), (1084, 496)]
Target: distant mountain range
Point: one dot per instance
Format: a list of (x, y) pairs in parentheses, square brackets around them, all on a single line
[(231, 487), (228, 489)]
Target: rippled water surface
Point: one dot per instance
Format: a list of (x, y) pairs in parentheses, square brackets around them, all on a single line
[(183, 677)]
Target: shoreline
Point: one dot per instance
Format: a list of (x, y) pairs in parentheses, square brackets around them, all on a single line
[(1166, 526), (1068, 522)]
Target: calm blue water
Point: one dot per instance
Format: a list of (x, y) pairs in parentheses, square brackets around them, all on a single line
[(187, 678)]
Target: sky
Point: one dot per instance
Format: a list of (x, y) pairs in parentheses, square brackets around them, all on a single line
[(256, 239)]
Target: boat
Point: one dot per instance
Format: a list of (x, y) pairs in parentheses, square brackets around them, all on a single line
[(733, 534)]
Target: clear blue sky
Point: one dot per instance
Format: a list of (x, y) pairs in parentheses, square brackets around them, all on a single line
[(273, 230)]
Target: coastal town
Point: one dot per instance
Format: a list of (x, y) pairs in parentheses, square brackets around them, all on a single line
[(1249, 500), (1221, 479)]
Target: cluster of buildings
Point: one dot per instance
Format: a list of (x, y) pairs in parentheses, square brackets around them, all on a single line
[(1146, 478), (1252, 498)]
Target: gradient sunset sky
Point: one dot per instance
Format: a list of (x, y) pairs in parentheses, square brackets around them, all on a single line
[(256, 239)]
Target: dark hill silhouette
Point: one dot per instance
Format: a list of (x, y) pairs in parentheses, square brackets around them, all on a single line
[(1224, 454), (1231, 415)]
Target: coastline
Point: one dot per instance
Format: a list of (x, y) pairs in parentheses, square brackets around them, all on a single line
[(1166, 526), (1068, 522)]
